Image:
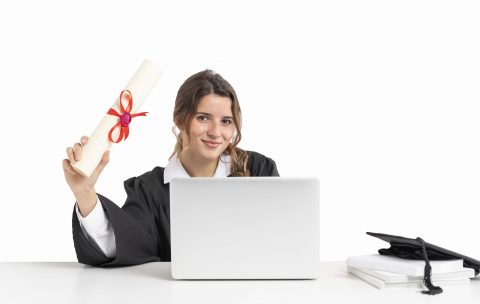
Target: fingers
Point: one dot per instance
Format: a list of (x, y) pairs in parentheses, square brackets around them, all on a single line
[(67, 167), (75, 153)]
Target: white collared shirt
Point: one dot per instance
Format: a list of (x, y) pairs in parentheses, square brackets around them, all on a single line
[(98, 229), (176, 169)]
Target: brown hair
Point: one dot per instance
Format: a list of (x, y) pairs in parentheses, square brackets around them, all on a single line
[(188, 97)]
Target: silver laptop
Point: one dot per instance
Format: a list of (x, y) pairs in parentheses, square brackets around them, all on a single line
[(245, 228)]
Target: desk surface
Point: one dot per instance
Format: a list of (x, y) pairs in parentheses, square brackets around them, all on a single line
[(152, 283)]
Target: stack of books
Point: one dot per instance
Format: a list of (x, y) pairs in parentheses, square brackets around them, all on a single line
[(387, 271)]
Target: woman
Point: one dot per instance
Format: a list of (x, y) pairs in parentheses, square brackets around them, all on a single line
[(208, 117)]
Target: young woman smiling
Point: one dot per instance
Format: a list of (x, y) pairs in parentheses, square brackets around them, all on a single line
[(207, 116)]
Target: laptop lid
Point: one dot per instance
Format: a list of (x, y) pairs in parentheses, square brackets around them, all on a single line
[(244, 228)]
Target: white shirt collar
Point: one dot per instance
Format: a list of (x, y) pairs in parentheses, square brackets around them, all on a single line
[(175, 168)]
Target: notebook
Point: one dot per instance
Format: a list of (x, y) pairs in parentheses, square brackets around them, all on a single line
[(244, 228), (391, 277), (403, 266), (380, 284)]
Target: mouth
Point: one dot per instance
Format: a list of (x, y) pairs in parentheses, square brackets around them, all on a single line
[(211, 144)]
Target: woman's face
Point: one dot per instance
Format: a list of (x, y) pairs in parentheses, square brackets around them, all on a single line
[(212, 127)]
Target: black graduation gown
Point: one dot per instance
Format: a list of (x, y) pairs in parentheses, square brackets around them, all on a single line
[(142, 225)]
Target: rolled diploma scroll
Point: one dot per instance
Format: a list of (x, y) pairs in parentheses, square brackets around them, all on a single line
[(140, 85)]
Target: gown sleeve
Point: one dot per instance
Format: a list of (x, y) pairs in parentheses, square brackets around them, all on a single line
[(136, 235)]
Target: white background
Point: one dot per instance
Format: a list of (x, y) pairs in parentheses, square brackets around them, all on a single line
[(378, 99)]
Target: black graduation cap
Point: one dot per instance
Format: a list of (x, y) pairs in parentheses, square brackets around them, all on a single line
[(418, 249)]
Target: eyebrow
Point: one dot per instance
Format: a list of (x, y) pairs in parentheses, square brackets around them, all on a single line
[(207, 114)]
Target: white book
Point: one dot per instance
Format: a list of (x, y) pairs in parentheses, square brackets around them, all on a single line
[(403, 266), (380, 284), (391, 277)]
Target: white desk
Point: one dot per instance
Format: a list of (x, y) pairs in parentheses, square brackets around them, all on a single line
[(152, 283)]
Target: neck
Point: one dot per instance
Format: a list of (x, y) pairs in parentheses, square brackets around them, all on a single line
[(198, 167)]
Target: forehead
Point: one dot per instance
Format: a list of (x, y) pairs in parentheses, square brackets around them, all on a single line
[(215, 105)]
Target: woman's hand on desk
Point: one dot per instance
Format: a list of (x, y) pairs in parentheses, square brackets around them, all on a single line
[(83, 187)]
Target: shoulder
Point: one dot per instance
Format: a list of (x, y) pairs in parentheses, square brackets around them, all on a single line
[(154, 176), (261, 165), (150, 179)]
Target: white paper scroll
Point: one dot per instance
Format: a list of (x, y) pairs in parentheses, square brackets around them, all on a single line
[(140, 85)]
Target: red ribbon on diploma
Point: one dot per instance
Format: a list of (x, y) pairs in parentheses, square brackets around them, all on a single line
[(125, 117)]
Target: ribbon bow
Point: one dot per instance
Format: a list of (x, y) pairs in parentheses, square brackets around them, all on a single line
[(125, 117)]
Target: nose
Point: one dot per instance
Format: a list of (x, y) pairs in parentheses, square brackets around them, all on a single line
[(214, 130)]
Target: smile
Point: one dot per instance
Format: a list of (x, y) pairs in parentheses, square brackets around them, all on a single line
[(211, 144)]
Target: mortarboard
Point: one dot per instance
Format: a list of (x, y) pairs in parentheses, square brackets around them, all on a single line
[(418, 249)]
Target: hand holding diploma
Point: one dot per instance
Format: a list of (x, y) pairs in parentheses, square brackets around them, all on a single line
[(83, 187)]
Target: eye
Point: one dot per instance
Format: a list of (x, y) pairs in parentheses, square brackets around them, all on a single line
[(227, 121), (202, 117)]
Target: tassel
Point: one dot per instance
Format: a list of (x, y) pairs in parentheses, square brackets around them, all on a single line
[(427, 276)]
